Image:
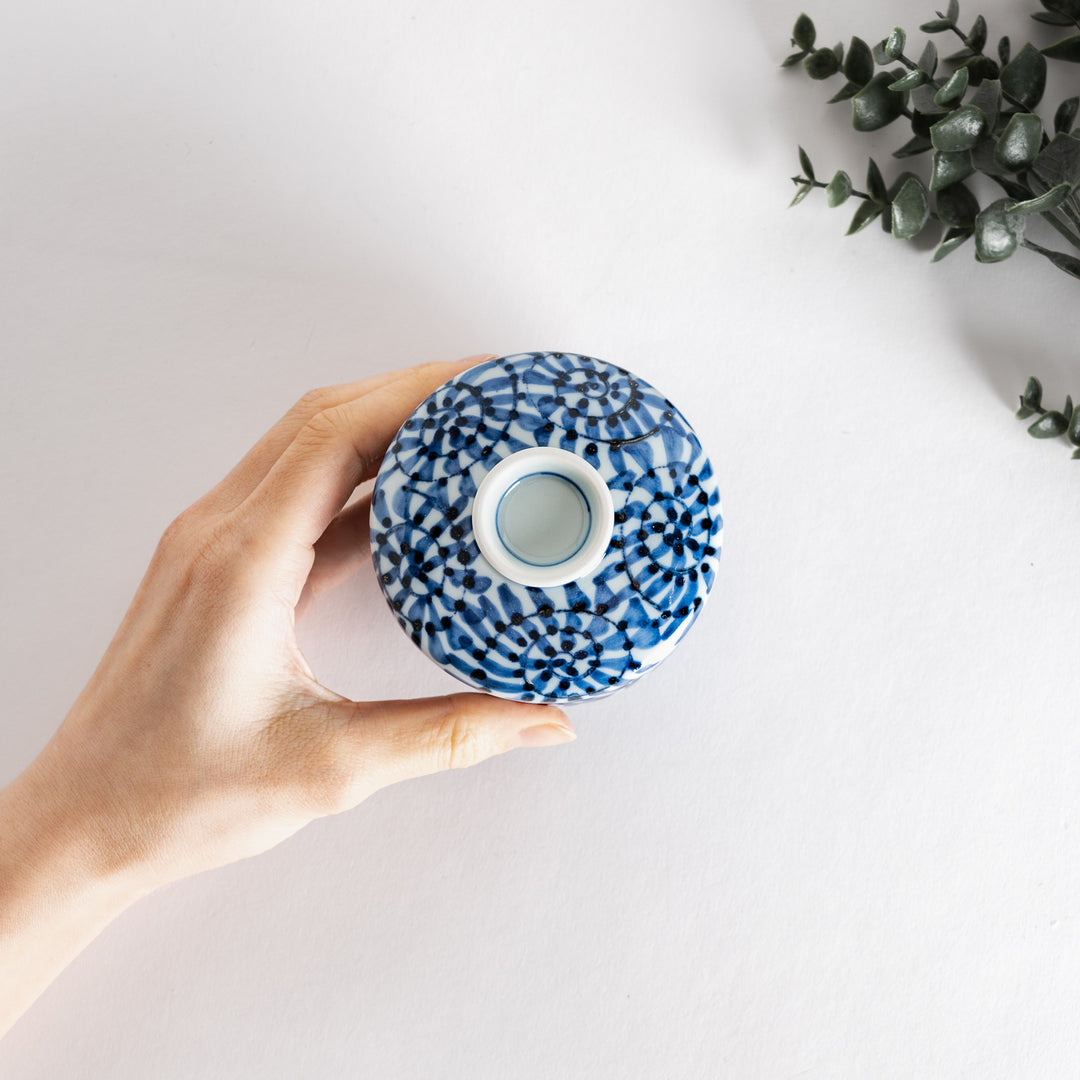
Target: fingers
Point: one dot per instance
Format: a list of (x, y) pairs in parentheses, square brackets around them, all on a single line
[(390, 741), (257, 462), (335, 450), (342, 549)]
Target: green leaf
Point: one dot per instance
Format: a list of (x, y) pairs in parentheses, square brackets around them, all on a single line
[(1074, 428), (1024, 78), (957, 207), (1067, 49), (952, 12), (863, 216), (981, 68), (954, 88), (910, 209), (875, 105), (909, 81), (1059, 162), (998, 232), (1019, 143), (988, 98), (950, 167), (977, 38), (1051, 19), (821, 63), (792, 60), (922, 99), (838, 189), (1032, 395), (1076, 455), (956, 57), (1004, 50), (894, 43), (960, 130), (849, 89), (879, 53), (804, 34), (801, 194), (982, 158), (917, 145), (1068, 9), (805, 165), (936, 26), (920, 124), (1066, 115), (859, 65), (928, 59), (1069, 263), (1067, 412), (953, 239), (875, 182), (897, 184), (1048, 200), (1049, 426)]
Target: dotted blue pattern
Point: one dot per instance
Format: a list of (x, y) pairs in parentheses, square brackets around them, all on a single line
[(584, 639)]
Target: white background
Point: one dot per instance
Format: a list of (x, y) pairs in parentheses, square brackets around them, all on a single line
[(836, 834)]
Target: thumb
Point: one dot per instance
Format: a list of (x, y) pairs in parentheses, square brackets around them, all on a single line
[(398, 740)]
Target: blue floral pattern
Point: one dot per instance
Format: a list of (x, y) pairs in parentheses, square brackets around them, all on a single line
[(583, 639)]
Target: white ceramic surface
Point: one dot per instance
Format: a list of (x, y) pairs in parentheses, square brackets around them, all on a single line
[(543, 517)]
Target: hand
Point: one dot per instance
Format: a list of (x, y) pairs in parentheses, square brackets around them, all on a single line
[(203, 736)]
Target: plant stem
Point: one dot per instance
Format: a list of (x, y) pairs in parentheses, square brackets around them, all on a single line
[(963, 37), (937, 84), (1062, 228), (822, 184), (1046, 253), (800, 180)]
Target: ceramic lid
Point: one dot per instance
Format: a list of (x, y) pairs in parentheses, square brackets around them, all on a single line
[(546, 526)]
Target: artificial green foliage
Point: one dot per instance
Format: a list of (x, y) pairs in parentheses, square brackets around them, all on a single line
[(998, 232), (950, 167), (1023, 79), (957, 207), (875, 105), (1052, 423), (974, 112), (910, 209), (1066, 115), (1019, 142), (954, 88), (839, 189), (960, 130)]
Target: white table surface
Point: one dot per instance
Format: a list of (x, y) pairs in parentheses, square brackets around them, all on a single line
[(836, 834)]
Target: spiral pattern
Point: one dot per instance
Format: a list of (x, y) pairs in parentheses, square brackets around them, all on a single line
[(583, 639)]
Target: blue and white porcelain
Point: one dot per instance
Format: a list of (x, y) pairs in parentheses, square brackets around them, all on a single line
[(546, 527)]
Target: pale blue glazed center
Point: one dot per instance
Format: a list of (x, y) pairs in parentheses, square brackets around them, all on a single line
[(543, 519)]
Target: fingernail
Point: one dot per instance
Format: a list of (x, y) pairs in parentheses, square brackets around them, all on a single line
[(545, 735)]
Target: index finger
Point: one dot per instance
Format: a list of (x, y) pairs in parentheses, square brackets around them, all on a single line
[(334, 451)]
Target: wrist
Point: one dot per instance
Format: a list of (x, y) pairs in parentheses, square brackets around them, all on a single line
[(56, 892), (57, 845)]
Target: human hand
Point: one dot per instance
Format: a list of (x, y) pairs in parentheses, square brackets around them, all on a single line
[(203, 736)]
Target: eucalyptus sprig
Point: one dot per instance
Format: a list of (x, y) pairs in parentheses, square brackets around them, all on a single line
[(1051, 423), (976, 117)]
